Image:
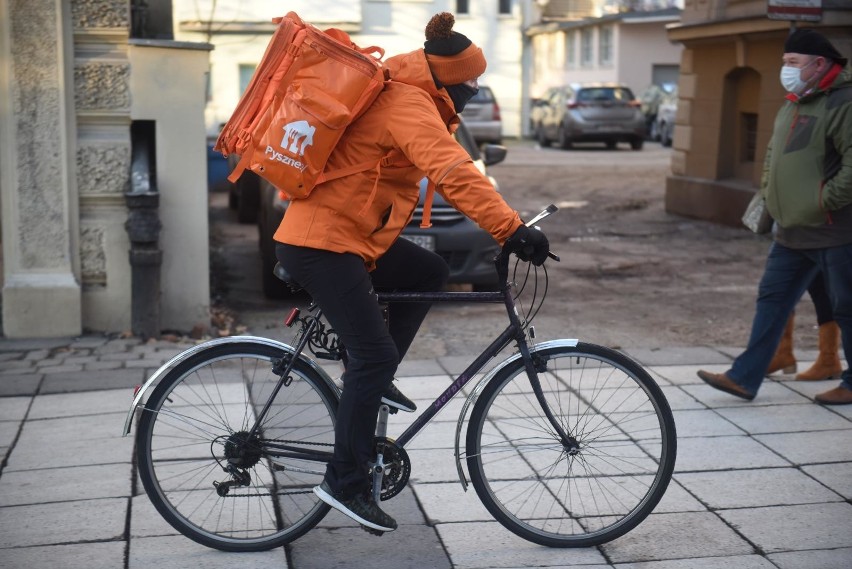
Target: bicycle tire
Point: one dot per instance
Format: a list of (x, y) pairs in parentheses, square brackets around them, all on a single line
[(526, 477), (192, 420)]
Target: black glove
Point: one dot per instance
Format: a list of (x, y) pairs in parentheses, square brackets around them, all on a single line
[(529, 245)]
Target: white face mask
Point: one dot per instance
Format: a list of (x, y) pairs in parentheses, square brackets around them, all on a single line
[(791, 78)]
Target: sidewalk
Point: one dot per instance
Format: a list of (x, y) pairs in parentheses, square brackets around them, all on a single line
[(757, 485)]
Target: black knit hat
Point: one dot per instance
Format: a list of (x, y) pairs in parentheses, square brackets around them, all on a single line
[(810, 42)]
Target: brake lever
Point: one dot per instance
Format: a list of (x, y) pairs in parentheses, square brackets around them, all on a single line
[(551, 209)]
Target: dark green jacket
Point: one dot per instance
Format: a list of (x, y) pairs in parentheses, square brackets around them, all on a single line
[(807, 177)]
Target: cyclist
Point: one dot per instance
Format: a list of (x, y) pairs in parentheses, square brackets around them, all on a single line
[(343, 241)]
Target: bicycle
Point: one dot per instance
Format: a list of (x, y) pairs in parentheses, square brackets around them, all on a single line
[(568, 444)]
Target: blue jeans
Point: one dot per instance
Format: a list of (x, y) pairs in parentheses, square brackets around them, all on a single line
[(786, 277)]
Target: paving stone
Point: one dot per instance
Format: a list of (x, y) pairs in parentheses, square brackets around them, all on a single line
[(792, 528), (448, 502), (678, 356), (16, 366), (731, 562), (409, 547), (58, 405), (488, 545), (72, 556), (14, 408), (29, 344), (812, 447), (753, 488), (93, 380), (57, 369), (679, 399), (36, 355), (8, 432), (65, 522), (703, 423), (64, 484), (434, 465), (837, 476), (673, 536), (784, 418), (419, 367), (101, 365), (91, 341), (19, 384), (685, 374), (9, 356), (821, 559), (771, 393), (722, 453), (677, 499), (181, 553), (435, 435), (145, 520)]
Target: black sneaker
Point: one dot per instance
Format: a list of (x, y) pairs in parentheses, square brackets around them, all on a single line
[(394, 398), (360, 508)]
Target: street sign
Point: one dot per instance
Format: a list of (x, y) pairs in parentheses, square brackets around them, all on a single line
[(802, 10)]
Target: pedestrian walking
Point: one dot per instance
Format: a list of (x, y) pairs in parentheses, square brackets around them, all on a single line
[(807, 185)]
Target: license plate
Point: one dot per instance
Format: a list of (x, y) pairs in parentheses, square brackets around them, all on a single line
[(425, 241)]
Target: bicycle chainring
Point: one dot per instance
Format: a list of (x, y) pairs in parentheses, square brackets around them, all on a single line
[(397, 467)]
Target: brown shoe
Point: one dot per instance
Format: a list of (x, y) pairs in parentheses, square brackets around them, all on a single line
[(837, 396), (827, 364), (724, 383)]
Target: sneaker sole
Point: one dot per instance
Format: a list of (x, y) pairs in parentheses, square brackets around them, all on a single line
[(396, 405), (329, 499)]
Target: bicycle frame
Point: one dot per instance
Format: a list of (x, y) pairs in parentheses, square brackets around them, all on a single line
[(513, 332)]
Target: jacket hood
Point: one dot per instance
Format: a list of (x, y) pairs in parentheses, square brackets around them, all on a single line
[(412, 68)]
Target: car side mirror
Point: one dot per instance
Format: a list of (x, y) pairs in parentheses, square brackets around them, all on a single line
[(493, 154)]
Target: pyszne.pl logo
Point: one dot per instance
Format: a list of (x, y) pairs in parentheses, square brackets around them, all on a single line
[(298, 135)]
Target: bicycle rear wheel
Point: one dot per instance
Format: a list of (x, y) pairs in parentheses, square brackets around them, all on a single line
[(556, 495), (204, 473)]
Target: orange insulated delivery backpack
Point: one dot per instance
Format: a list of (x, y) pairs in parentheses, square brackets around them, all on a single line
[(309, 86)]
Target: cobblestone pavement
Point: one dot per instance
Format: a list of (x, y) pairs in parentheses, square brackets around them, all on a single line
[(757, 485)]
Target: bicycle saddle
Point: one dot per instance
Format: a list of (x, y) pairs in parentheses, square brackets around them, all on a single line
[(282, 274)]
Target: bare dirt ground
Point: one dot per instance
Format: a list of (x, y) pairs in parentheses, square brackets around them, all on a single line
[(631, 275)]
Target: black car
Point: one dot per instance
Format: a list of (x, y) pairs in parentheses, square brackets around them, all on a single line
[(468, 249)]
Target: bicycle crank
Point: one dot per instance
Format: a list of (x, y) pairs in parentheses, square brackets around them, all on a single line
[(395, 464)]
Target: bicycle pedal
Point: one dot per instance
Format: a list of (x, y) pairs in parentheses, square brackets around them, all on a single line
[(372, 531)]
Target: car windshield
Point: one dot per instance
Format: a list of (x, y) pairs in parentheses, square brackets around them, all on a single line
[(605, 94)]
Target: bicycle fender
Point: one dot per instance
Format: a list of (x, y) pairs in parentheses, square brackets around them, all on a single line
[(188, 353), (474, 395)]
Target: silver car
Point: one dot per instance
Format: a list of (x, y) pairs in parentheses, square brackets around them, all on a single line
[(482, 117), (592, 112)]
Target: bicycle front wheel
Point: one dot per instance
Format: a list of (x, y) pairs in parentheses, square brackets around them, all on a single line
[(213, 479), (596, 487)]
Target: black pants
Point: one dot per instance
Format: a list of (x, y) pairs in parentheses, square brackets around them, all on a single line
[(343, 289)]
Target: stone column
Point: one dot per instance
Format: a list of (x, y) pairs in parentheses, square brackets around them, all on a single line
[(38, 189)]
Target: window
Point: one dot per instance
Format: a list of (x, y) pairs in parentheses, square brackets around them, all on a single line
[(586, 51), (570, 48), (504, 6), (462, 7), (605, 46), (246, 72)]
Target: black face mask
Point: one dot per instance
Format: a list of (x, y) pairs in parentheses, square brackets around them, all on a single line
[(460, 94)]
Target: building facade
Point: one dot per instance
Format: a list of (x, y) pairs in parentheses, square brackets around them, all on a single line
[(729, 94), (77, 95)]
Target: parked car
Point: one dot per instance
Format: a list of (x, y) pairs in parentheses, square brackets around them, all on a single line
[(593, 112), (244, 195), (468, 249), (482, 117), (665, 122), (650, 100)]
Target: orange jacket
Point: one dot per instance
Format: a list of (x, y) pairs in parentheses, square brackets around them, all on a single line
[(364, 213)]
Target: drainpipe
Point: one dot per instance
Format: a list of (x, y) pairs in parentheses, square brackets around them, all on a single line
[(143, 226)]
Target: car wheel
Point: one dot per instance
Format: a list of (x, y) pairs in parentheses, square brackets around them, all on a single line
[(611, 144), (541, 137), (637, 143), (666, 135), (562, 136), (249, 198)]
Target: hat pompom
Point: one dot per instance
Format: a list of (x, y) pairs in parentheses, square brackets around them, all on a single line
[(440, 26)]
